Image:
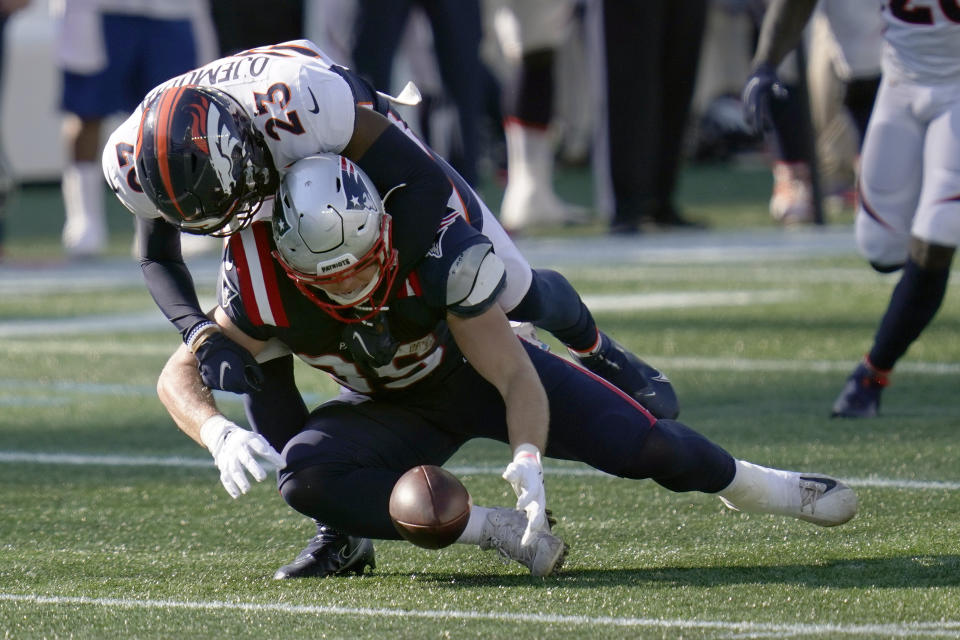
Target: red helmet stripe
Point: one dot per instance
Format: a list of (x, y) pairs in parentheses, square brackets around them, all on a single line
[(165, 110)]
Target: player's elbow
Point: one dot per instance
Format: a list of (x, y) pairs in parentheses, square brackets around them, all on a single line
[(172, 376)]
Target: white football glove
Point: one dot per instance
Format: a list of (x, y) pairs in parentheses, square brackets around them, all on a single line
[(233, 450), (525, 475)]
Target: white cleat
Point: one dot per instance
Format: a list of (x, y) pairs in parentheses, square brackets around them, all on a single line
[(503, 531), (812, 497)]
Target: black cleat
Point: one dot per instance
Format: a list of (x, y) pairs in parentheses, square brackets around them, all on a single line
[(330, 553), (636, 378), (860, 397)]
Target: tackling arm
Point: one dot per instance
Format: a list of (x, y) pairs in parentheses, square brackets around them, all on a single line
[(392, 159), (171, 285), (166, 275)]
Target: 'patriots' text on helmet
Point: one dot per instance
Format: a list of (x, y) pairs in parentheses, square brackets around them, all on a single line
[(200, 161), (329, 225)]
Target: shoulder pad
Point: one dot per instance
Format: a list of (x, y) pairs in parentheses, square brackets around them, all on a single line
[(474, 280)]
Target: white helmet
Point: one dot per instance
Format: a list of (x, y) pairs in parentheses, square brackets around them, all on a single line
[(329, 224)]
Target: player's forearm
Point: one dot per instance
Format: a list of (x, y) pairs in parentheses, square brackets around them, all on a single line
[(188, 401), (166, 275), (528, 413), (781, 30)]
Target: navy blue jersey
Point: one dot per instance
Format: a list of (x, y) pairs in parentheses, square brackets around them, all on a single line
[(264, 303)]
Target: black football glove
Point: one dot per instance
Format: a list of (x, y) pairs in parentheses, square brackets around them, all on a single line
[(370, 342), (762, 89), (227, 366)]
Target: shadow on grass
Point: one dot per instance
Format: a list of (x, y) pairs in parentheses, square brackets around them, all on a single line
[(924, 571)]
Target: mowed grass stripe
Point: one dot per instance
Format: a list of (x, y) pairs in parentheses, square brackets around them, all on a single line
[(939, 628)]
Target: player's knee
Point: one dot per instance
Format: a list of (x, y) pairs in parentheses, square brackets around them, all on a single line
[(306, 490), (680, 459), (885, 249)]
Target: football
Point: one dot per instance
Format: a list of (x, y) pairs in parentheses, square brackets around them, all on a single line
[(430, 507)]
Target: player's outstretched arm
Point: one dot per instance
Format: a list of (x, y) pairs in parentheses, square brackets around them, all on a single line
[(236, 451), (490, 346)]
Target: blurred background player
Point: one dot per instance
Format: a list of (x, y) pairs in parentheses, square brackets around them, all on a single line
[(818, 95), (649, 59), (909, 210), (455, 31), (111, 52), (243, 24), (7, 180), (529, 33), (843, 75)]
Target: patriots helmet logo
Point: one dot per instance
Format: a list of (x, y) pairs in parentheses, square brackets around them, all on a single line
[(356, 192)]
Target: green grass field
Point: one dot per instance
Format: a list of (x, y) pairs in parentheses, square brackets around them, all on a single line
[(114, 524)]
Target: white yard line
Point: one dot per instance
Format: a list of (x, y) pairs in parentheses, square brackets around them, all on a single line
[(153, 320), (81, 459), (940, 628)]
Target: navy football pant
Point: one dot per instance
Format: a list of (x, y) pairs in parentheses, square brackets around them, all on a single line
[(342, 467)]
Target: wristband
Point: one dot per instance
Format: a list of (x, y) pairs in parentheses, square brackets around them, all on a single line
[(199, 334), (212, 430)]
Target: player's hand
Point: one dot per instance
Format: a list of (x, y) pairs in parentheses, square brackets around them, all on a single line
[(525, 475), (236, 451), (370, 341), (227, 366), (763, 87)]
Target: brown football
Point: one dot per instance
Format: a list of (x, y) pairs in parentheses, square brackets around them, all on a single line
[(430, 507)]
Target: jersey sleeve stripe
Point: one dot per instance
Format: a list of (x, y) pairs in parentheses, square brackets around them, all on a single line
[(271, 287), (257, 277), (244, 280)]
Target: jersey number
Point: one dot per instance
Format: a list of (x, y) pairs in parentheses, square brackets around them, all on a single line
[(278, 94), (407, 367), (124, 158), (922, 15)]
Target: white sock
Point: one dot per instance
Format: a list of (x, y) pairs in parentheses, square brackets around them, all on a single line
[(86, 224), (759, 489), (478, 516)]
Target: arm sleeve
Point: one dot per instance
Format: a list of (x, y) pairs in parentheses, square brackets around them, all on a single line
[(166, 275), (420, 205), (277, 411)]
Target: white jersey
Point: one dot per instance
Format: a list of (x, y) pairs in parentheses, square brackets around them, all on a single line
[(297, 103), (910, 161), (922, 40)]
